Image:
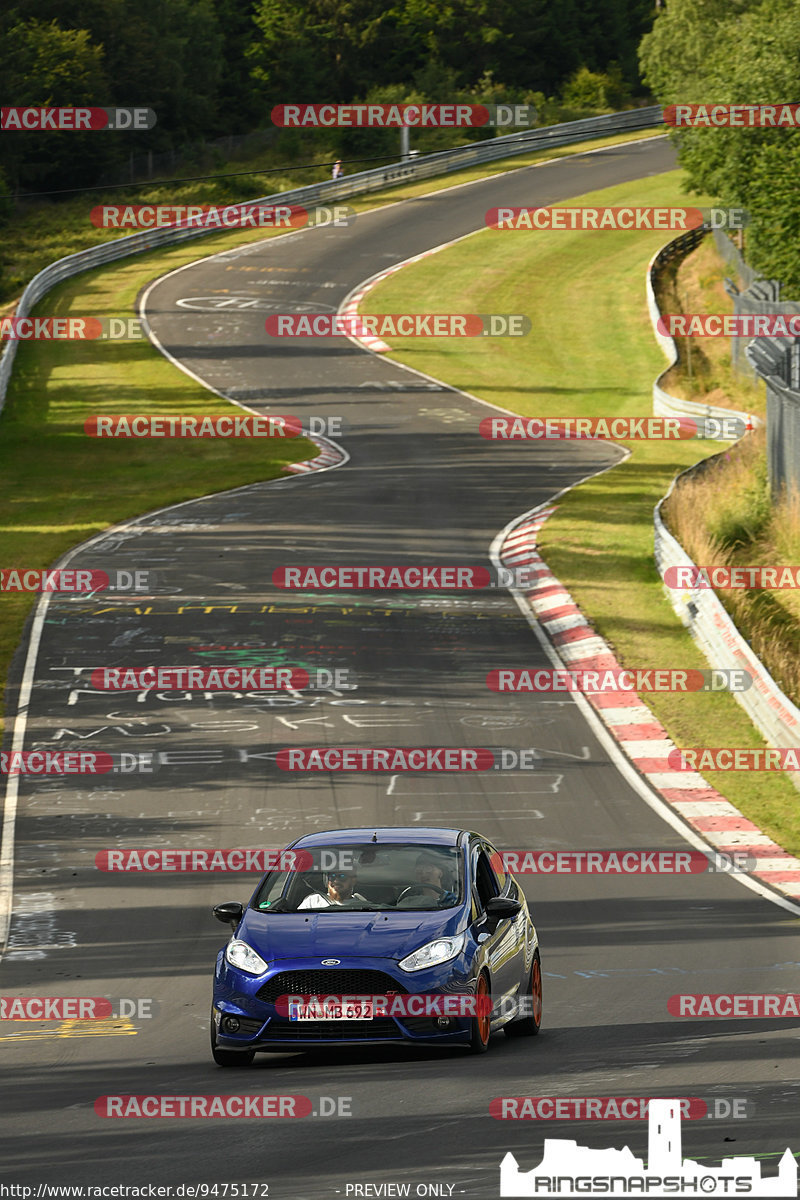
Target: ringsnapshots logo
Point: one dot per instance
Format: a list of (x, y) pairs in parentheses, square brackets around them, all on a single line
[(732, 116), (396, 116), (211, 216), (622, 429), (362, 325), (567, 1169), (618, 679), (75, 120)]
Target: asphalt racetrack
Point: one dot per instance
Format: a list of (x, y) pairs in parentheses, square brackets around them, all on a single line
[(420, 488)]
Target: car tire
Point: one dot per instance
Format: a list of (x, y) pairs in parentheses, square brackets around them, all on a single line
[(530, 1026), (229, 1058), (481, 1022)]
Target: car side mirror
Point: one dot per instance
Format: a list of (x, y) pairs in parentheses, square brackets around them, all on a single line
[(230, 913), (502, 908)]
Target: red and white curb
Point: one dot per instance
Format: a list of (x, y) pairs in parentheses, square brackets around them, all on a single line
[(331, 456), (350, 306), (633, 726), (350, 309)]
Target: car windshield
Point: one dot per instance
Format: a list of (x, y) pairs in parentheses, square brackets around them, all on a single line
[(366, 878)]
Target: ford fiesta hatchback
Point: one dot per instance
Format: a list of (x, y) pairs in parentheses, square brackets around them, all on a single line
[(377, 935)]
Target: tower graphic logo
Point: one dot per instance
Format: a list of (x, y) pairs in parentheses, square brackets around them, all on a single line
[(568, 1169)]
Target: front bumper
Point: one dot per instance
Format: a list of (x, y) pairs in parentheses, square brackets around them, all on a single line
[(262, 1027)]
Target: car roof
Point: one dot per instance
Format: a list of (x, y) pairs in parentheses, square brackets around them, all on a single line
[(386, 834)]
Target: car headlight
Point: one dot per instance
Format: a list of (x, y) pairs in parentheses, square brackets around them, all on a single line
[(240, 955), (439, 951)]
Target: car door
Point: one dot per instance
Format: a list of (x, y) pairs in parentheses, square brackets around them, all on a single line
[(503, 944)]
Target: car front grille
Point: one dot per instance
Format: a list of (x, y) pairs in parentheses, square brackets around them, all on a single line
[(330, 981)]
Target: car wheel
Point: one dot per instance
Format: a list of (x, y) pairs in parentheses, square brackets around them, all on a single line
[(229, 1058), (481, 1022), (530, 1026)]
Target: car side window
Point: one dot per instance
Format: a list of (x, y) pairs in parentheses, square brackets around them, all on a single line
[(485, 882), (496, 865)]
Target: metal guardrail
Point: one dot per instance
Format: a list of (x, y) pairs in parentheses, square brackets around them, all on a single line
[(711, 627), (777, 362), (664, 404), (699, 609), (327, 191)]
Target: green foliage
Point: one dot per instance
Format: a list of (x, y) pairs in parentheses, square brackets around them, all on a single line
[(215, 67), (595, 90), (725, 52), (743, 507)]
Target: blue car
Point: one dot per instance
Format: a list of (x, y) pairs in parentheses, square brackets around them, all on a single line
[(377, 936)]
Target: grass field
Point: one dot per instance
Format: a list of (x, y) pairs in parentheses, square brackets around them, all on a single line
[(590, 352)]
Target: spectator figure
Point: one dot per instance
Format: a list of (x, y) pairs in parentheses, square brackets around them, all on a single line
[(337, 171)]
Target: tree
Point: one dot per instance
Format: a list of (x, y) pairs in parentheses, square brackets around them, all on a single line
[(726, 52)]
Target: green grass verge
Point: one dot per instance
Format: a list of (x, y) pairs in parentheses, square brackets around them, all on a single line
[(59, 487), (591, 352)]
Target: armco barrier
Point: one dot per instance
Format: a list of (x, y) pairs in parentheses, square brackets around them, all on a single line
[(700, 609), (665, 405), (329, 191)]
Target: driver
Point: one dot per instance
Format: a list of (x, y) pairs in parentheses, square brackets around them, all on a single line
[(429, 871), (340, 888)]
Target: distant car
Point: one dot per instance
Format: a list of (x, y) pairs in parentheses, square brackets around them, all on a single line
[(377, 936)]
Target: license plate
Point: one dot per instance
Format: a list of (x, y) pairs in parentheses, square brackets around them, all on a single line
[(320, 1011)]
